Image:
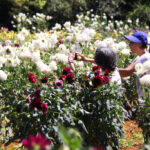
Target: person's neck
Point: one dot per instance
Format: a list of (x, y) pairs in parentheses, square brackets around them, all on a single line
[(141, 52)]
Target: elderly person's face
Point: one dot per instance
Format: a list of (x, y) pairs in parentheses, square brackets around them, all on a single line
[(135, 47)]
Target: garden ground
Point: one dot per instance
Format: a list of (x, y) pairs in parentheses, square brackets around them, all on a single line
[(133, 139)]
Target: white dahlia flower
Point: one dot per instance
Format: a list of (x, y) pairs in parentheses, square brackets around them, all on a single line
[(53, 65), (3, 75), (125, 52), (139, 69), (146, 65), (122, 45), (145, 80), (36, 56)]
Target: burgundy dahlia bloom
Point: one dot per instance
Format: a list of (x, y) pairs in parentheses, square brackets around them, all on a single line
[(97, 72), (44, 108), (66, 70), (39, 140), (106, 72), (95, 68), (16, 45), (97, 81), (30, 75), (70, 77), (36, 103), (37, 93), (44, 80), (62, 77), (32, 78), (61, 41), (106, 79)]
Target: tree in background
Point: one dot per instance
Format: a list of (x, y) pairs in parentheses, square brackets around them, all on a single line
[(66, 10)]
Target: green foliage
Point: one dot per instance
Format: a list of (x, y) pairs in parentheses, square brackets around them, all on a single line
[(143, 115), (71, 138), (128, 84), (64, 10), (103, 111), (91, 110), (111, 8), (140, 10)]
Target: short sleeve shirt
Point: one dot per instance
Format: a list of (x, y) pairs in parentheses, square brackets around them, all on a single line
[(141, 59)]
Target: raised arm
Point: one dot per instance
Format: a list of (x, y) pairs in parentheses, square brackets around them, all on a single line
[(83, 58), (125, 72), (70, 61)]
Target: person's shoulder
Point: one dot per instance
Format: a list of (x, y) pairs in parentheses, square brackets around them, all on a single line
[(135, 60), (144, 58)]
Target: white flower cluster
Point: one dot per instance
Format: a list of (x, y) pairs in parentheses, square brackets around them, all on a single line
[(39, 17), (120, 48), (85, 36), (21, 17), (9, 56), (143, 71), (21, 36)]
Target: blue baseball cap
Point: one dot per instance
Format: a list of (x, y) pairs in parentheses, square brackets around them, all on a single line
[(137, 37)]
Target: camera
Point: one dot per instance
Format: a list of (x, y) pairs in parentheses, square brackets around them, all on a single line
[(76, 57)]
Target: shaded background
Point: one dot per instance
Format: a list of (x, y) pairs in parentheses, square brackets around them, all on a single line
[(66, 10)]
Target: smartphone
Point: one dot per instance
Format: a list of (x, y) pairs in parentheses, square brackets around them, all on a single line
[(75, 58)]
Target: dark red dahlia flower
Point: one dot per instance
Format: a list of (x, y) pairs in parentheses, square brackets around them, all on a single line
[(106, 72), (62, 77), (106, 79), (66, 70), (70, 77), (97, 81), (44, 80), (44, 108), (95, 68)]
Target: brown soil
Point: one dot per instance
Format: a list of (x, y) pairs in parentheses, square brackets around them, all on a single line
[(130, 127)]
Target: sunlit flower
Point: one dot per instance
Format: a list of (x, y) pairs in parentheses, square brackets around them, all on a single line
[(53, 66), (67, 24), (20, 37), (35, 56), (57, 26), (145, 80), (122, 45), (146, 65), (3, 75), (125, 52), (139, 69)]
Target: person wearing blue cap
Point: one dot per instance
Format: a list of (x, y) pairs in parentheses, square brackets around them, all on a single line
[(138, 45)]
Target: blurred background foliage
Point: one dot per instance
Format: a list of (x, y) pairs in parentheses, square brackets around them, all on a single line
[(64, 10)]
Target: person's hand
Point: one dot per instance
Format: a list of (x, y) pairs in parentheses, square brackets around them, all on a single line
[(70, 57), (79, 56)]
